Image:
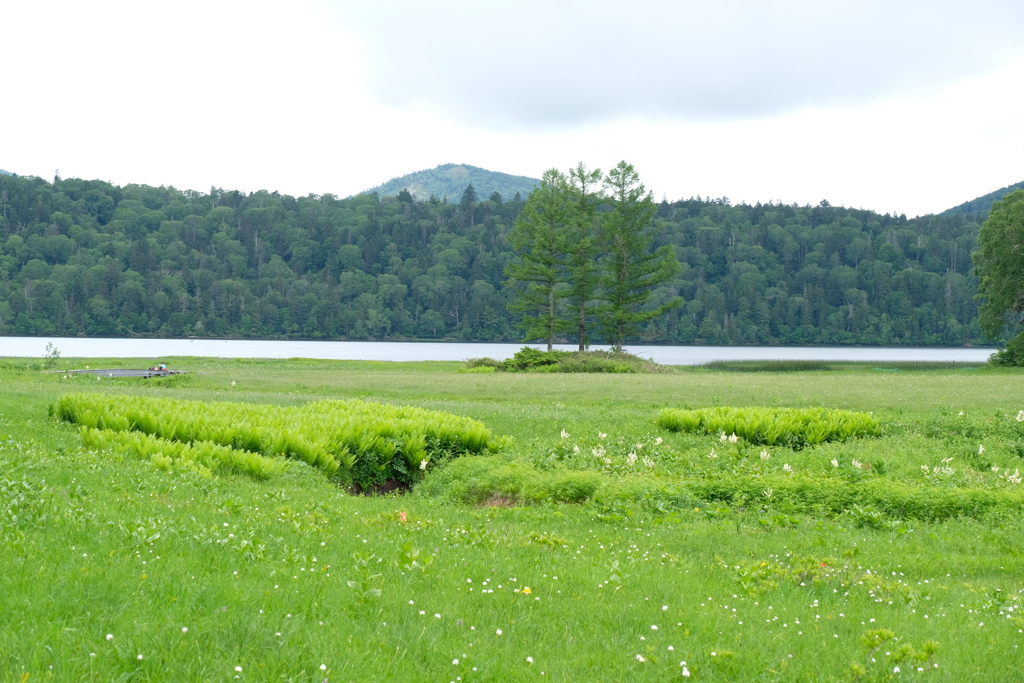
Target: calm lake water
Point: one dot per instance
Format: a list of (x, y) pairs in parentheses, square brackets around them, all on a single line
[(154, 349)]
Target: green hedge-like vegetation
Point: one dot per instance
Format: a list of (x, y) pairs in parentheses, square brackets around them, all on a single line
[(493, 480), (529, 359), (203, 457), (893, 499), (357, 442), (793, 427)]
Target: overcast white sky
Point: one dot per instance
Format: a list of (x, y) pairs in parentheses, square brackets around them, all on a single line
[(910, 107)]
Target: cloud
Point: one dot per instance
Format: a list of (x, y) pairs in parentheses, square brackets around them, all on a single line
[(539, 62)]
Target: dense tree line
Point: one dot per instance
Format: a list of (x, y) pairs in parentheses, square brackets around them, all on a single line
[(87, 257)]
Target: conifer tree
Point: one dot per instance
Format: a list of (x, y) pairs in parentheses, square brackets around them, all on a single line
[(582, 245), (539, 239), (630, 270)]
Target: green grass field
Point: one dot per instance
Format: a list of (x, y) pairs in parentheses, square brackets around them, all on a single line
[(115, 569)]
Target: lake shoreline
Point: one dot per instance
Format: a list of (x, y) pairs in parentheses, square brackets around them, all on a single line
[(152, 348)]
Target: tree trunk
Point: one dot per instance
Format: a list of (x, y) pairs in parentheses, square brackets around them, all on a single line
[(583, 326), (551, 317)]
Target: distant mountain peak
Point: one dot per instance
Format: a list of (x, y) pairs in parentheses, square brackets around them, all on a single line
[(450, 180)]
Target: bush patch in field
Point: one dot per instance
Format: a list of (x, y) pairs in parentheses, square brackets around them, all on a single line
[(355, 442), (793, 427), (529, 359), (202, 457)]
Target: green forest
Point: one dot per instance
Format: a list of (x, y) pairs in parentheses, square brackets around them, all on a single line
[(82, 257)]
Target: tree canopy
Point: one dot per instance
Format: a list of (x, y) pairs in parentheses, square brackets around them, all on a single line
[(631, 270), (999, 261)]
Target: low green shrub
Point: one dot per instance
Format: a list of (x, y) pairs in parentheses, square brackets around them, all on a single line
[(203, 457), (1012, 355), (485, 362), (475, 481), (893, 499), (355, 442), (792, 427), (529, 359), (875, 500)]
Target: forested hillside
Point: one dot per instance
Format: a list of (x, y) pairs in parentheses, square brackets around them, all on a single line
[(86, 257), (449, 181), (977, 209)]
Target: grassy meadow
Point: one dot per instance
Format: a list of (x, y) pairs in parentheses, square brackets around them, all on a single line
[(593, 545)]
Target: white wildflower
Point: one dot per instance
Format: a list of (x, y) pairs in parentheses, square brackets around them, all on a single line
[(631, 458), (768, 493), (565, 434), (530, 660), (787, 468), (1020, 416), (857, 463), (576, 450), (647, 461), (423, 463), (981, 449), (835, 463), (640, 658), (712, 454), (733, 438), (764, 455), (723, 437), (600, 435), (658, 441)]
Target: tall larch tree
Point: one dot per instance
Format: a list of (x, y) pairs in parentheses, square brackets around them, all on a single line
[(585, 194), (630, 270), (539, 239)]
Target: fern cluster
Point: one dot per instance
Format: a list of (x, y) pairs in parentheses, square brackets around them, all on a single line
[(357, 442), (793, 427)]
